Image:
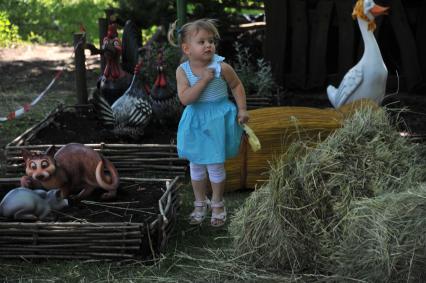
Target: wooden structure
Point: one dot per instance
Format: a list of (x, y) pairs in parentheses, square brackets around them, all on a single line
[(313, 43), (80, 67), (80, 239), (131, 160)]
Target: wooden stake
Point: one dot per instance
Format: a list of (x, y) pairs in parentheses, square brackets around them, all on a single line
[(80, 68), (103, 27)]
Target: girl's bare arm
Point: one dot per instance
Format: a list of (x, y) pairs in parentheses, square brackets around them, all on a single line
[(238, 91), (187, 94)]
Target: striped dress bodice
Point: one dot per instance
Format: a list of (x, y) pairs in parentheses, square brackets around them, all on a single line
[(216, 89)]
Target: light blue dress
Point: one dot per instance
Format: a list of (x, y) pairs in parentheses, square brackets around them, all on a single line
[(208, 131)]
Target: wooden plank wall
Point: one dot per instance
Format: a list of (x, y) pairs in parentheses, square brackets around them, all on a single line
[(299, 43), (274, 40), (299, 34), (421, 38)]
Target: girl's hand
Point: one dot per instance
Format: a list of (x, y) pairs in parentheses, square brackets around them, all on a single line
[(207, 74), (243, 116)]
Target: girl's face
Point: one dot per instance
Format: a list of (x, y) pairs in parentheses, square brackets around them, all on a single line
[(200, 46)]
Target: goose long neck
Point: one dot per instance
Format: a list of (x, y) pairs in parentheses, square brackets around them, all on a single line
[(371, 48), (133, 80)]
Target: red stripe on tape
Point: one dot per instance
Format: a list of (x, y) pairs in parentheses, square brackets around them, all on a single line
[(27, 107), (58, 74), (11, 116)]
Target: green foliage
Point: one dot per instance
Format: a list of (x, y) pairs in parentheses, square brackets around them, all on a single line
[(148, 33), (146, 13), (8, 31), (257, 79), (54, 21), (223, 9)]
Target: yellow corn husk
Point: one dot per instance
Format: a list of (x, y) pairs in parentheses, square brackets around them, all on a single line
[(252, 139), (277, 128)]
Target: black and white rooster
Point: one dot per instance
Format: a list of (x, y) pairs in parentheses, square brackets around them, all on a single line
[(129, 114)]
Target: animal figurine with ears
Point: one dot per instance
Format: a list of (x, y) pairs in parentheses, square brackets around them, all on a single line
[(76, 170), (367, 79), (25, 204)]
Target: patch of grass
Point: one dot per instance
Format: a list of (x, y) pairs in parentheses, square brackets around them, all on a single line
[(61, 93), (14, 128)]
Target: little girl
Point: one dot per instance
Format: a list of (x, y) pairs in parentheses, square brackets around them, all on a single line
[(209, 130)]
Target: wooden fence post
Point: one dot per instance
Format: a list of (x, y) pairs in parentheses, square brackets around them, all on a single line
[(80, 67), (181, 12), (103, 27)]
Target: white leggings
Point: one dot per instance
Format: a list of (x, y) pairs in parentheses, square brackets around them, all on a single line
[(216, 171)]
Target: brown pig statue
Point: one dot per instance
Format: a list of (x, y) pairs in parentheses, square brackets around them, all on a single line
[(75, 169)]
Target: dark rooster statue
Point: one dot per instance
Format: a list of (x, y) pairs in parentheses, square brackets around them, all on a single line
[(165, 104), (129, 114), (114, 81)]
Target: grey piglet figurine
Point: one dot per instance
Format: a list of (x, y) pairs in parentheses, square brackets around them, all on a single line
[(25, 204)]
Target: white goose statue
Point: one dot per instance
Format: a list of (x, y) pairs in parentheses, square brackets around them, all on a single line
[(367, 79)]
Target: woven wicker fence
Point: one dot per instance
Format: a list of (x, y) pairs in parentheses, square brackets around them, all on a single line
[(81, 239), (137, 160)]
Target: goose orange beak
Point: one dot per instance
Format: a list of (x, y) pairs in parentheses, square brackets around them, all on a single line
[(378, 10)]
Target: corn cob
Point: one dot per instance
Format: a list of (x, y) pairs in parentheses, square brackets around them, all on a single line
[(253, 140)]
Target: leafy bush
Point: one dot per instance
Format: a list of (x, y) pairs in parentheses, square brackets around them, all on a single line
[(256, 78), (8, 31), (55, 21), (146, 13)]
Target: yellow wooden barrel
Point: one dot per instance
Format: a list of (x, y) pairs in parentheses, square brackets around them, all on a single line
[(277, 128)]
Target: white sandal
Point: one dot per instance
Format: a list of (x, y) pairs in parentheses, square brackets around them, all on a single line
[(197, 217), (218, 218)]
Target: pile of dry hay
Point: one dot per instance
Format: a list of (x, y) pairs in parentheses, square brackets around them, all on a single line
[(303, 218), (384, 238)]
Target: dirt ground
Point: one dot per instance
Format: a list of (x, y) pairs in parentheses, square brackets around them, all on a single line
[(31, 63)]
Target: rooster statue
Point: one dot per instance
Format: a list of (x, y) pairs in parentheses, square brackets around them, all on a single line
[(114, 81), (129, 114), (165, 104), (367, 79)]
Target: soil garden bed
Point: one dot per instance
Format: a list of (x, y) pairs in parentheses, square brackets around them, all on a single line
[(152, 155), (136, 224), (84, 127)]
